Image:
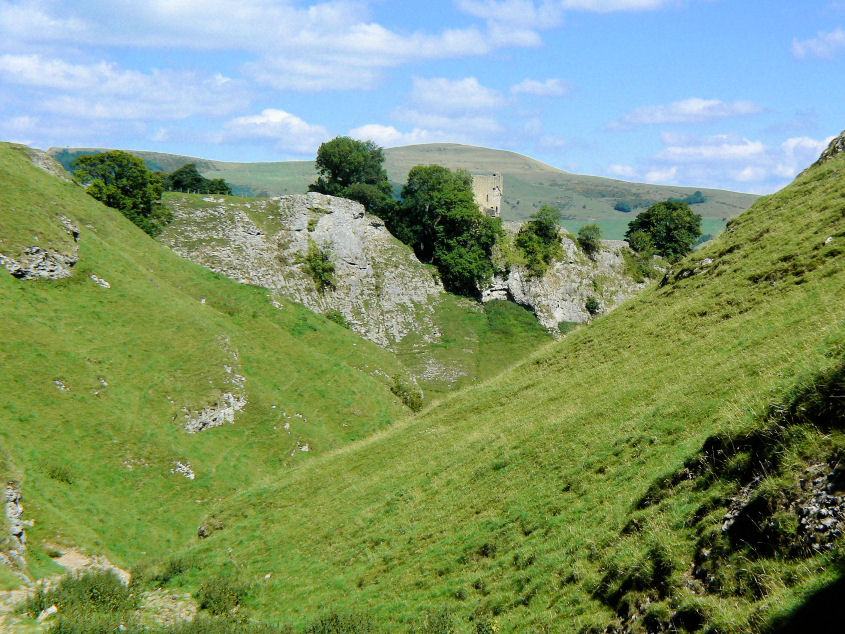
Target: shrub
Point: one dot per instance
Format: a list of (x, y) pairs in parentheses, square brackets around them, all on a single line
[(592, 305), (539, 240), (319, 266), (623, 207), (337, 317), (589, 237), (99, 592), (640, 241), (221, 595), (410, 394)]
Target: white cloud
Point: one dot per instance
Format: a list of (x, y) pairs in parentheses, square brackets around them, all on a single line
[(439, 94), (104, 91), (517, 13), (388, 136), (609, 6), (824, 45), (289, 132), (693, 110), (713, 149), (664, 175), (548, 88), (622, 171)]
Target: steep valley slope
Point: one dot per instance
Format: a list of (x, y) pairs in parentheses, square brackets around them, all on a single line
[(138, 387), (676, 466)]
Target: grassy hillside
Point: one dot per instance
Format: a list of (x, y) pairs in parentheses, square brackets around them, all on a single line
[(528, 183), (96, 381), (587, 488)]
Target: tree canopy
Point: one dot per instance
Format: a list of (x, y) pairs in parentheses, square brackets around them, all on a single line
[(539, 239), (589, 237), (188, 179), (440, 220), (122, 181), (353, 169), (671, 226)]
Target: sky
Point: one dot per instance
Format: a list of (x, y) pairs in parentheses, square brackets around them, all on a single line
[(731, 94)]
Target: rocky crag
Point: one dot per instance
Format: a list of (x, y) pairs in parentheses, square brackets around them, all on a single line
[(379, 286), (561, 294)]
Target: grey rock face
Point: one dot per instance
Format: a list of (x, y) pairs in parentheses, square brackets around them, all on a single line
[(215, 415), (561, 294), (14, 517), (35, 262), (836, 147), (381, 289)]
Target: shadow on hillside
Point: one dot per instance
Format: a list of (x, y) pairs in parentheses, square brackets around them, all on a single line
[(824, 611)]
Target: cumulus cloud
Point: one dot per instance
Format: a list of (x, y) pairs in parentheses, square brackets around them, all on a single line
[(439, 94), (718, 161), (287, 131), (622, 171), (693, 110), (610, 6), (102, 90), (547, 88), (824, 45), (388, 136)]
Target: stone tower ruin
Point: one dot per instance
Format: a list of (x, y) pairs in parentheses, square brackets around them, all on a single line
[(487, 191)]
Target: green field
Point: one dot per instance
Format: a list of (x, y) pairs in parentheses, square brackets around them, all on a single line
[(584, 488), (577, 487), (528, 183)]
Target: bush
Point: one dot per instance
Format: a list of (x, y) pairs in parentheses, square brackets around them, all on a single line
[(640, 241), (410, 394), (592, 305), (589, 237), (221, 595), (539, 240), (337, 317), (99, 592), (319, 266), (623, 207)]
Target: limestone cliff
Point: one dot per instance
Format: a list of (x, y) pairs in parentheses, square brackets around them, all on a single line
[(380, 287), (561, 294)]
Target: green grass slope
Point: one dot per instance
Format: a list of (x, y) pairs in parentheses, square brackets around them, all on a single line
[(96, 461), (587, 487), (528, 183)]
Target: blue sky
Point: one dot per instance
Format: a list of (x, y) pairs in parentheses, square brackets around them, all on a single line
[(712, 93)]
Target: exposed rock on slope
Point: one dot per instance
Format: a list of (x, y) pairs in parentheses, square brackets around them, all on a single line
[(561, 294), (380, 288), (837, 146), (35, 262)]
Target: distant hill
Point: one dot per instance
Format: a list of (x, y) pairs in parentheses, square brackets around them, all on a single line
[(528, 183)]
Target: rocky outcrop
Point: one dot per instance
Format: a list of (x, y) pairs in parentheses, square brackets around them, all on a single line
[(381, 289), (35, 262), (561, 294), (15, 551), (836, 147)]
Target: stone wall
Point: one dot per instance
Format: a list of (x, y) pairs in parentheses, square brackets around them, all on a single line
[(487, 190)]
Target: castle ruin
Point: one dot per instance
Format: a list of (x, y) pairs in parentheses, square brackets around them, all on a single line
[(487, 191)]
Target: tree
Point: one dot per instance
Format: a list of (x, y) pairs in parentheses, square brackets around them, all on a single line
[(353, 169), (439, 219), (539, 239), (672, 227), (188, 179), (589, 237), (122, 181)]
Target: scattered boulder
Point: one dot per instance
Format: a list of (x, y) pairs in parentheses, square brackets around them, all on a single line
[(37, 263)]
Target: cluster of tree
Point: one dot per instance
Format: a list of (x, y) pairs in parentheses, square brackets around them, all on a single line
[(539, 239), (188, 179), (669, 229), (624, 207), (693, 199), (122, 181), (436, 214)]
